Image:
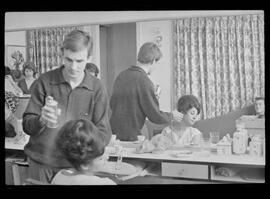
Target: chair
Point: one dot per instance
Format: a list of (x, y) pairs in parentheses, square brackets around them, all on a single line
[(225, 123)]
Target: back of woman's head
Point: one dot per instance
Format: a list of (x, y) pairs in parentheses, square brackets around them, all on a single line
[(149, 52), (80, 142), (187, 102)]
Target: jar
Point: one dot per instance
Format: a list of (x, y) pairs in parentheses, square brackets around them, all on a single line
[(240, 139), (256, 146)]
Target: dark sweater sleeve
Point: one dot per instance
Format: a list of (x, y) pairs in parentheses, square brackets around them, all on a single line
[(31, 123), (100, 115), (150, 105)]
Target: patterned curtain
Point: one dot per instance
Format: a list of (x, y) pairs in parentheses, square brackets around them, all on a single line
[(43, 46), (220, 60)]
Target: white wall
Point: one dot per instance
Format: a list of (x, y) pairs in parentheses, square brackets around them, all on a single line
[(146, 32), (30, 20)]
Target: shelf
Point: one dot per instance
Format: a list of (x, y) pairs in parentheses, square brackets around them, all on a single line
[(236, 179), (245, 175)]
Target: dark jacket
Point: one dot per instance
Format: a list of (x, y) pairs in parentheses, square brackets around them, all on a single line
[(88, 100), (22, 84), (133, 99)]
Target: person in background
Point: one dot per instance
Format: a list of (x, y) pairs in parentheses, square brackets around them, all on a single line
[(182, 133), (29, 71), (10, 85), (259, 107), (92, 68), (11, 122), (134, 98), (81, 145), (79, 95)]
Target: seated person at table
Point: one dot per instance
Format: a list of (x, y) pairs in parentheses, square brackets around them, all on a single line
[(10, 84), (11, 122), (92, 68), (182, 133), (259, 107), (81, 144), (29, 73)]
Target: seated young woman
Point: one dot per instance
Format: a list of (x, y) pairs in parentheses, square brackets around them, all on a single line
[(178, 133), (182, 133), (83, 147)]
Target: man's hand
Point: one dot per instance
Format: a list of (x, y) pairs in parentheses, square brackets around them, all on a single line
[(49, 114), (177, 116)]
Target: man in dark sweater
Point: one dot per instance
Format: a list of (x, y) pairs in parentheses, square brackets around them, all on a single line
[(79, 95), (134, 98)]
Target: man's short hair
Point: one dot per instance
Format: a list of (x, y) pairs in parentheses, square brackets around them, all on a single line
[(187, 102), (149, 52), (78, 40)]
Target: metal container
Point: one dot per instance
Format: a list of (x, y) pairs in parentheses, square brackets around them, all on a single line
[(240, 140), (54, 104)]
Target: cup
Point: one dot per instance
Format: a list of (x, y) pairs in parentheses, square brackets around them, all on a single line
[(214, 137), (118, 149), (113, 138), (141, 138), (205, 144)]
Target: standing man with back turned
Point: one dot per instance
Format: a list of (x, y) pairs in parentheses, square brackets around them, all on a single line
[(79, 95), (134, 98)]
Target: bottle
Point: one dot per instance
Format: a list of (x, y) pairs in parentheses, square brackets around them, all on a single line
[(54, 104), (240, 139), (256, 146)]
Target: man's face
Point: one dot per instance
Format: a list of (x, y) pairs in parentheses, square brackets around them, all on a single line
[(154, 66), (259, 107), (75, 63)]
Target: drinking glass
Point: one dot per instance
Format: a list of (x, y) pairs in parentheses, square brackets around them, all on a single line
[(214, 137)]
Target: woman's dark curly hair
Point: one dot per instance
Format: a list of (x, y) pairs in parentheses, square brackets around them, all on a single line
[(31, 66), (80, 142), (187, 102)]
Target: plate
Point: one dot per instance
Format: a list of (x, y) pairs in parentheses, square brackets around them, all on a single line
[(182, 154), (110, 167)]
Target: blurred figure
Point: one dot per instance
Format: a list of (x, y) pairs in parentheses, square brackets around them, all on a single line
[(11, 122), (29, 71), (92, 68), (259, 107), (10, 85)]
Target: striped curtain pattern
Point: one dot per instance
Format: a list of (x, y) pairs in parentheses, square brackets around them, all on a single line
[(44, 46), (220, 60)]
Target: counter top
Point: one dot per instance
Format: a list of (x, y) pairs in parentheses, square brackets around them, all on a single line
[(197, 156)]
